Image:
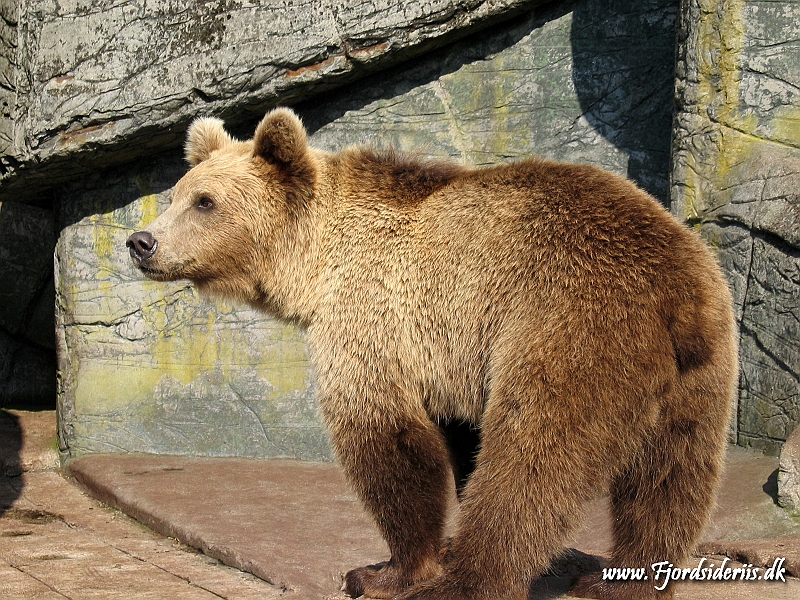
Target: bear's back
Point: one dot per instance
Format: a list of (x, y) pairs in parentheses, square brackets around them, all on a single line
[(536, 216)]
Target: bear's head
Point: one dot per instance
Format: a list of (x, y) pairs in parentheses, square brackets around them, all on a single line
[(233, 215)]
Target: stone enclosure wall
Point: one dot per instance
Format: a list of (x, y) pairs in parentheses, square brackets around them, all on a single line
[(696, 101), (736, 176)]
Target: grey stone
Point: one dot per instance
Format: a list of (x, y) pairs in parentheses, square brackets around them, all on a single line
[(736, 176), (8, 67), (789, 474), (770, 346), (570, 81), (129, 76)]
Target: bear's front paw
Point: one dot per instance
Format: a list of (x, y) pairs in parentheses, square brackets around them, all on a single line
[(359, 581), (386, 579)]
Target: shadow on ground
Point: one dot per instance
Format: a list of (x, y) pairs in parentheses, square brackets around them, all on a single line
[(10, 460)]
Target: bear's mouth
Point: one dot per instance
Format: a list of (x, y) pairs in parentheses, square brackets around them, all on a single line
[(172, 274), (155, 274), (149, 271)]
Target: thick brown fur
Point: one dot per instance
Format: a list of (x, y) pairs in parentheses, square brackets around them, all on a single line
[(557, 309)]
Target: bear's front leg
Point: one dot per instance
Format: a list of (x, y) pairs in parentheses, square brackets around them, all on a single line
[(399, 468)]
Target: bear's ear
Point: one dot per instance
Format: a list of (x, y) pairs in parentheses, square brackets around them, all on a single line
[(281, 139), (205, 135)]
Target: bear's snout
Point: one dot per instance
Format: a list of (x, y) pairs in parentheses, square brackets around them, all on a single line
[(142, 245)]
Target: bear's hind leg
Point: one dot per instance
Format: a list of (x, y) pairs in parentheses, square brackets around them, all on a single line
[(659, 507), (526, 494)]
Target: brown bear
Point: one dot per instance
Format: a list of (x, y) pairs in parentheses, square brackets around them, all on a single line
[(555, 312)]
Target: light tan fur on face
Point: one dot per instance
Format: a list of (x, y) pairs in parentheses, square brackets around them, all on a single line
[(251, 216), (557, 310)]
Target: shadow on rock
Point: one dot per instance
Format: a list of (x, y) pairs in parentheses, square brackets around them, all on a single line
[(624, 72)]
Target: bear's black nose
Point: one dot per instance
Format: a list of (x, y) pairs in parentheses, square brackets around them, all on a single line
[(142, 245)]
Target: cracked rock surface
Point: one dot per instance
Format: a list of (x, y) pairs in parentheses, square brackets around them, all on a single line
[(736, 176), (126, 77)]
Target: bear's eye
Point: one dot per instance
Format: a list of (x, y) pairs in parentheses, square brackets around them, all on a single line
[(205, 203)]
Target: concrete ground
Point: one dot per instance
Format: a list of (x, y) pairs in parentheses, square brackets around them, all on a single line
[(294, 525)]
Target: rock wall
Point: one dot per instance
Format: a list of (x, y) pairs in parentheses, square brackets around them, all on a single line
[(27, 237), (100, 82), (569, 80), (8, 70), (736, 177), (101, 93)]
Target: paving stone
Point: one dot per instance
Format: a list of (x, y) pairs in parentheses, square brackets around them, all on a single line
[(56, 542), (296, 524), (299, 522)]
